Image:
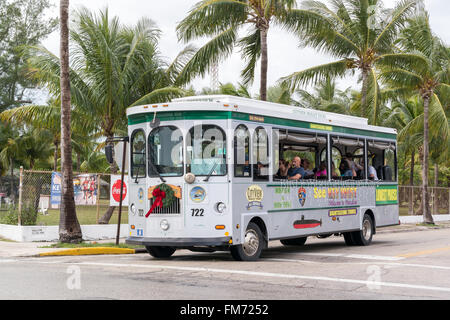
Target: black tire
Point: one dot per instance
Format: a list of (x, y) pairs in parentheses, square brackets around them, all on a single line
[(161, 252), (364, 237), (254, 243), (294, 242), (349, 239)]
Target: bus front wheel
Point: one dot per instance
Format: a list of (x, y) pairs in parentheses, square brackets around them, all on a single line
[(251, 249), (161, 252)]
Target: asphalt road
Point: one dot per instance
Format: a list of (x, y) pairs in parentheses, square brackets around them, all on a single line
[(405, 266)]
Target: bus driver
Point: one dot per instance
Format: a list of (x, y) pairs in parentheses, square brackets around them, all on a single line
[(296, 172)]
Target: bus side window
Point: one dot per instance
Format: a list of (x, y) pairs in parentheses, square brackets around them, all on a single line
[(242, 152), (260, 155), (389, 173)]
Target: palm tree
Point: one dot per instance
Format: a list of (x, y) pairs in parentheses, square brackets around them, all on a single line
[(326, 97), (222, 19), (345, 31), (429, 75), (114, 67), (10, 152), (69, 227), (403, 115)]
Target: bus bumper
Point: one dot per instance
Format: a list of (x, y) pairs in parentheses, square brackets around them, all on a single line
[(180, 242)]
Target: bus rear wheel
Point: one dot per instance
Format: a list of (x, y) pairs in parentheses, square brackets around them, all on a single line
[(251, 249), (294, 242), (362, 237), (161, 252)]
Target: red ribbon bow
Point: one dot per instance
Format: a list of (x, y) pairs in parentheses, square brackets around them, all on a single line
[(159, 197)]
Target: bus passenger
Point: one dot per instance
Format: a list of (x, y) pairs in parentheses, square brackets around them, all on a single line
[(296, 172), (322, 172), (309, 174), (335, 174), (283, 168), (372, 172), (355, 167), (345, 168)]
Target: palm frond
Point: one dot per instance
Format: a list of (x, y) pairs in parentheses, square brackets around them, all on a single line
[(215, 50), (319, 32), (178, 64), (407, 61), (251, 52), (399, 16), (159, 95), (316, 74), (212, 17)]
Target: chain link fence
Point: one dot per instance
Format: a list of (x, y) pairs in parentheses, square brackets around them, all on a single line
[(410, 200), (33, 198)]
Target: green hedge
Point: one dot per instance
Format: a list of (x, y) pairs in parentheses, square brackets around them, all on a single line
[(11, 216)]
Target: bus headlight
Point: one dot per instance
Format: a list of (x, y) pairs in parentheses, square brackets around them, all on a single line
[(133, 209), (164, 225), (221, 207)]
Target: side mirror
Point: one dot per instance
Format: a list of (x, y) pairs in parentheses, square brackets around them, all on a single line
[(109, 153)]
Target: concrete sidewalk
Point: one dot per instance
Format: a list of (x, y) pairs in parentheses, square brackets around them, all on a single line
[(10, 249)]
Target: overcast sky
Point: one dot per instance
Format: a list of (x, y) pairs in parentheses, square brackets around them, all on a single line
[(285, 56)]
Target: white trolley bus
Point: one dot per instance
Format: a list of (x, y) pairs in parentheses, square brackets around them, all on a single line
[(208, 173)]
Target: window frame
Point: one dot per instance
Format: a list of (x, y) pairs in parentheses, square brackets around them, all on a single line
[(133, 135), (182, 156), (189, 138), (249, 137), (254, 161)]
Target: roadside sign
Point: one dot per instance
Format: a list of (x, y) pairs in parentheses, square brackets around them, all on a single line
[(115, 191)]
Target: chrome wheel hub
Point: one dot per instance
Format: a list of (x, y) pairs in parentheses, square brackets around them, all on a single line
[(251, 242), (367, 230)]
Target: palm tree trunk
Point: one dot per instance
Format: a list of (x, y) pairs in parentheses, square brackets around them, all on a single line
[(435, 193), (69, 227), (364, 93), (264, 64), (13, 193), (427, 217), (55, 156), (411, 183)]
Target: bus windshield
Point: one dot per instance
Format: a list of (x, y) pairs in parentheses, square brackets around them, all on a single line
[(206, 151), (166, 152)]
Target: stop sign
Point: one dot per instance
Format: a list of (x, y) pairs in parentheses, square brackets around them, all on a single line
[(116, 190)]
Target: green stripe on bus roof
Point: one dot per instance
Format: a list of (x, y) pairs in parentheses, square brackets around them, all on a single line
[(223, 115)]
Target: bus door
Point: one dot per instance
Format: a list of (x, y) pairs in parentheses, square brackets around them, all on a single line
[(207, 198), (137, 183)]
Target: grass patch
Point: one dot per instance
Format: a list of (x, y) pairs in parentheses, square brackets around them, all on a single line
[(5, 240), (429, 225), (87, 215), (91, 245)]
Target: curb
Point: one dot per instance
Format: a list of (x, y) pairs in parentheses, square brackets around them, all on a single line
[(89, 251), (413, 228)]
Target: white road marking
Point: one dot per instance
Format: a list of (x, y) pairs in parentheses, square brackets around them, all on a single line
[(425, 266), (8, 260), (289, 260), (353, 256), (322, 254), (266, 274), (418, 266), (371, 257)]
